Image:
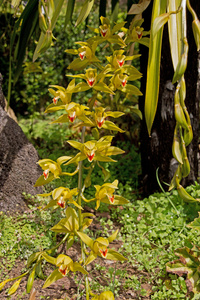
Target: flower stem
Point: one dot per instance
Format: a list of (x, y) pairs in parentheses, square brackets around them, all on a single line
[(191, 10), (80, 179)]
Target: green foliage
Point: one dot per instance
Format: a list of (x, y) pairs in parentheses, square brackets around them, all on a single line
[(152, 231), (23, 234)]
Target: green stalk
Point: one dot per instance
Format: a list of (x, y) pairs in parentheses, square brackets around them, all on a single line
[(191, 10), (80, 179), (60, 243)]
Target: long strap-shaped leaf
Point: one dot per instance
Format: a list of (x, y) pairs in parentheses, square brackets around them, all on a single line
[(85, 10), (175, 32), (153, 68)]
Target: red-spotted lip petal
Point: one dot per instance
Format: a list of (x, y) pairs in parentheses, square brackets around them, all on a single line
[(72, 117), (63, 271), (46, 174), (120, 62), (90, 157), (124, 82), (112, 198), (103, 32), (103, 252), (139, 34), (100, 122), (91, 82), (61, 203), (55, 100), (82, 55)]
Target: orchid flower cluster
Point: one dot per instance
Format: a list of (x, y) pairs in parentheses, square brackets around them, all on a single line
[(110, 82)]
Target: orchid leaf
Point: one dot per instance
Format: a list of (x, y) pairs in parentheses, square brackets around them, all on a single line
[(33, 257), (113, 236), (54, 276), (42, 181), (102, 87), (52, 107), (114, 114), (3, 283), (111, 126), (85, 10), (137, 9), (78, 267), (118, 27), (14, 287), (107, 295), (63, 159), (86, 239), (52, 203), (153, 69), (49, 258), (119, 200), (62, 119), (90, 258), (114, 255), (76, 145), (81, 87), (78, 64), (129, 88), (103, 158)]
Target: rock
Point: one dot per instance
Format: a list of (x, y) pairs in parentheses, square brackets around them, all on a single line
[(18, 168)]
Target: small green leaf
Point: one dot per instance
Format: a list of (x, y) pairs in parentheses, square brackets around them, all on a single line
[(108, 295), (114, 255), (86, 239), (63, 159), (113, 236), (111, 126), (102, 87), (90, 258), (14, 287), (38, 270), (3, 283), (54, 276), (33, 257), (49, 258), (30, 281), (78, 267), (42, 181)]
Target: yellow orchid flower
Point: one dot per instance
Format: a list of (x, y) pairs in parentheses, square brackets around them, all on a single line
[(105, 194), (95, 150), (100, 247)]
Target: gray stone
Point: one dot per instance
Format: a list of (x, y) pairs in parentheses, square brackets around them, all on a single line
[(18, 168)]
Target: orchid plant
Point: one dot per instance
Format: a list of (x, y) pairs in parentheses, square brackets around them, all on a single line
[(108, 82)]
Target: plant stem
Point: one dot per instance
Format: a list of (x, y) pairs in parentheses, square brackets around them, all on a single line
[(61, 242), (80, 179), (191, 10)]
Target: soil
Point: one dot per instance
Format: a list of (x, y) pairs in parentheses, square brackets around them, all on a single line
[(71, 286)]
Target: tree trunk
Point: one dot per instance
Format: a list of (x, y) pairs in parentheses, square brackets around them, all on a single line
[(156, 150)]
